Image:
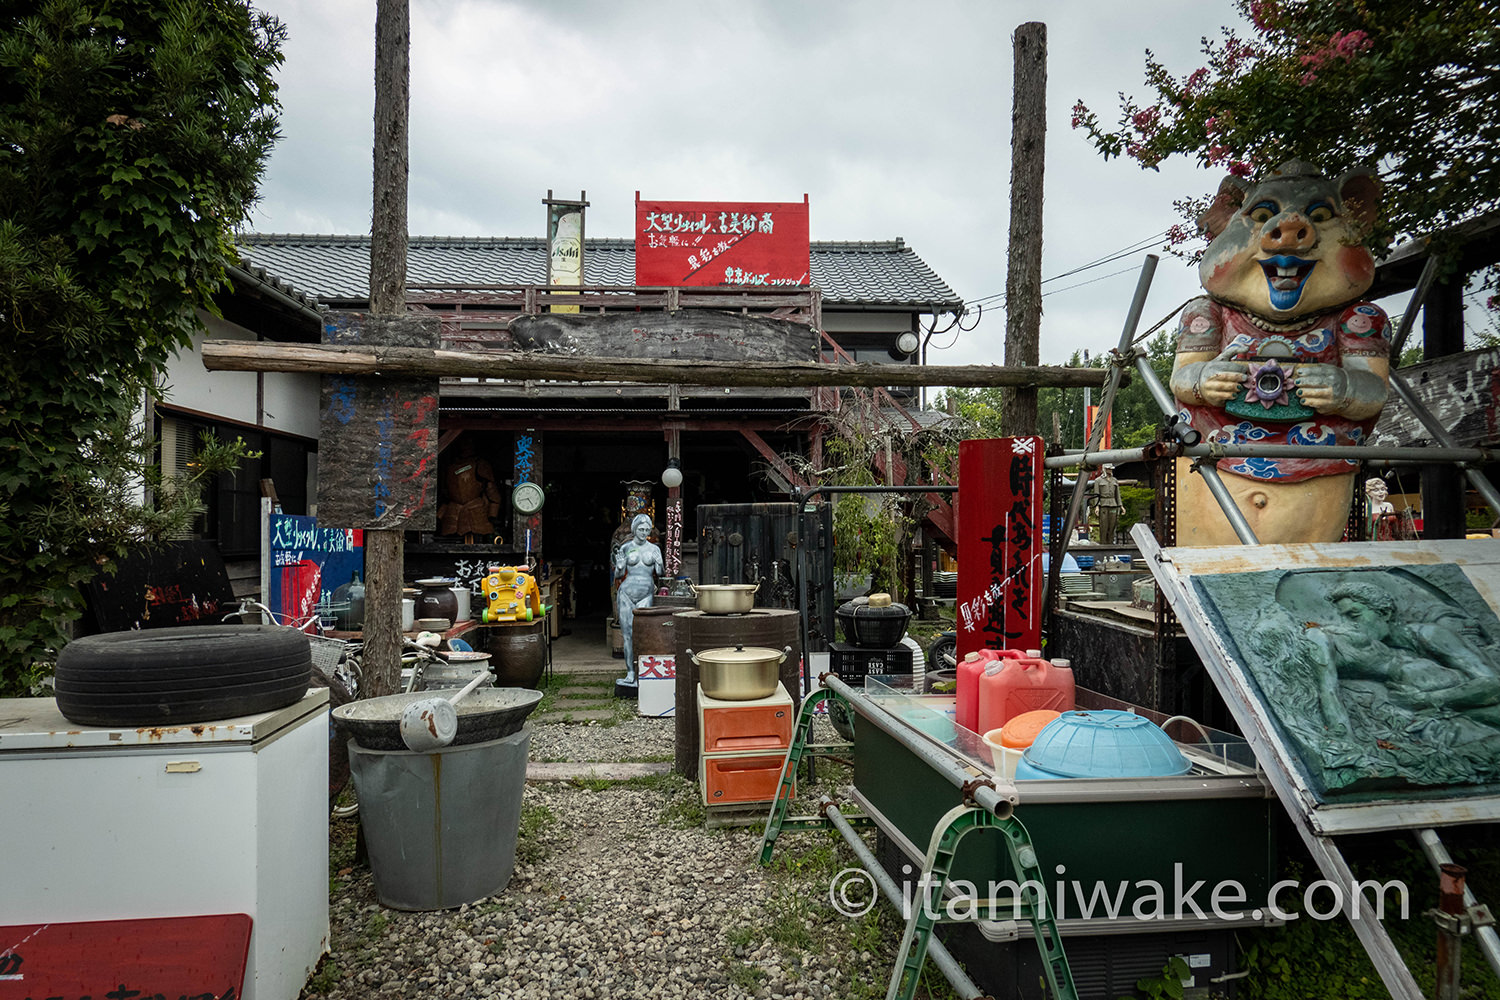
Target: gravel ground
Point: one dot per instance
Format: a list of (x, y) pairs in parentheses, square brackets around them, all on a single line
[(619, 891), (636, 738)]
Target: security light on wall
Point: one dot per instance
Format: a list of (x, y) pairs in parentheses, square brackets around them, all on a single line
[(906, 345)]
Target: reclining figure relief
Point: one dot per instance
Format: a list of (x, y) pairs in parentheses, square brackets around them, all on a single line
[(1282, 350)]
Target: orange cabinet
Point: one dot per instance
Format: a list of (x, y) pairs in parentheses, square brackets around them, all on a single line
[(745, 726), (739, 778), (743, 745)]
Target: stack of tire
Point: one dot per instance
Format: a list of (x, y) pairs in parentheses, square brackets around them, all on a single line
[(177, 676)]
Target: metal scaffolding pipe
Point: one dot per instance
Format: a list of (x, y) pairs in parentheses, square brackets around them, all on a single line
[(1485, 937), (1000, 799), (1106, 406), (936, 951), (1440, 434), (1425, 456)]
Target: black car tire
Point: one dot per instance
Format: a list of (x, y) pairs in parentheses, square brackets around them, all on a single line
[(172, 676)]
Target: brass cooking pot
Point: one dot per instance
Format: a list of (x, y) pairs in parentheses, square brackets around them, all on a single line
[(725, 598), (743, 673)]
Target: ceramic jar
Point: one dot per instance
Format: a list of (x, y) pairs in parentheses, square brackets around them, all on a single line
[(438, 599)]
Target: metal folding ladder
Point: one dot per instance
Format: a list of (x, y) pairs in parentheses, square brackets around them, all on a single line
[(917, 940)]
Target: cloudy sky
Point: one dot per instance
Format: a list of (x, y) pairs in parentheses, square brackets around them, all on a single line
[(893, 117)]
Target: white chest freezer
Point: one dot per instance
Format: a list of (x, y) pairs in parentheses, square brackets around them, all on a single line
[(219, 817)]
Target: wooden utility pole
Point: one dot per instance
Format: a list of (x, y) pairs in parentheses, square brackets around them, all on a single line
[(1023, 280), (383, 547)]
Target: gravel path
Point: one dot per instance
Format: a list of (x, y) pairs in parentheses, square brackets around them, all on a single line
[(636, 738), (619, 891)]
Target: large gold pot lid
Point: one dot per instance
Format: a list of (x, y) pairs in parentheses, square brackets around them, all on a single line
[(739, 654)]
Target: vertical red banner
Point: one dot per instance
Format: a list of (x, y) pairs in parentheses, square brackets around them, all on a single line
[(999, 544)]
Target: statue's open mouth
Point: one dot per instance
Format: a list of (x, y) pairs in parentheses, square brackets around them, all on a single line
[(1285, 277)]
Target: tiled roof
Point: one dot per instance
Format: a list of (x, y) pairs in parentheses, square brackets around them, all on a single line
[(335, 269)]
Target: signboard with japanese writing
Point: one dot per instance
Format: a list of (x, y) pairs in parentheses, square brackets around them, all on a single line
[(564, 245), (999, 544), (673, 554), (377, 435), (741, 244), (527, 468), (179, 583), (301, 561)]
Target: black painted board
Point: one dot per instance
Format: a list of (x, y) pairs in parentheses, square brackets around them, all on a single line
[(182, 583), (698, 335), (378, 435)]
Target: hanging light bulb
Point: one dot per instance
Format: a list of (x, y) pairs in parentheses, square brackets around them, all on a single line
[(671, 476)]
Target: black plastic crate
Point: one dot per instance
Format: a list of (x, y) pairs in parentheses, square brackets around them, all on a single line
[(853, 663)]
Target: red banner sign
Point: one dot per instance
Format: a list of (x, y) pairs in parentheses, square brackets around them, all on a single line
[(193, 958), (739, 243), (999, 544)]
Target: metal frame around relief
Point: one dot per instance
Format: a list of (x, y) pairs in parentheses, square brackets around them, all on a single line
[(1318, 823), (1174, 569)]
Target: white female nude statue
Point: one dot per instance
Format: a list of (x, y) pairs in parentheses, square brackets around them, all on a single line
[(639, 562)]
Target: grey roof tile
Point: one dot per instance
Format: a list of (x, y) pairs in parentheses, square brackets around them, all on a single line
[(335, 269)]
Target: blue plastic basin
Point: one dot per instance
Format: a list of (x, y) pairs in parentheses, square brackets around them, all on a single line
[(1101, 744)]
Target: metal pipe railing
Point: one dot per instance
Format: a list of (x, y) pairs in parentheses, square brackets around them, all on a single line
[(1425, 456), (936, 951), (999, 798)]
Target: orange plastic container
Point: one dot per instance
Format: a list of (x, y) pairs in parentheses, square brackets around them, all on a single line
[(969, 671), (1010, 741), (748, 778), (759, 727), (1006, 690), (1020, 732)]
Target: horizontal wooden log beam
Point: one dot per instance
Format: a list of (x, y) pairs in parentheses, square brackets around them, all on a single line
[(245, 356)]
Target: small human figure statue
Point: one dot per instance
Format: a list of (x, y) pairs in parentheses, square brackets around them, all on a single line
[(1105, 490), (638, 562), (1382, 513), (1282, 351)]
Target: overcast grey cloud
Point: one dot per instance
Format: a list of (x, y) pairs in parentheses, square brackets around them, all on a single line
[(893, 117)]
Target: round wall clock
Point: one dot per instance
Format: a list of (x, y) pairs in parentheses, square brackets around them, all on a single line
[(527, 498)]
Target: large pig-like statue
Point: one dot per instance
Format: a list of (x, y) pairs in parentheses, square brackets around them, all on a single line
[(1282, 351)]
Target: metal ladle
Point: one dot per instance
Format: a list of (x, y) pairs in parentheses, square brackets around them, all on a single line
[(432, 723)]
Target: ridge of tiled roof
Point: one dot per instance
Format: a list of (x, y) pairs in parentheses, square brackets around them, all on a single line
[(335, 268)]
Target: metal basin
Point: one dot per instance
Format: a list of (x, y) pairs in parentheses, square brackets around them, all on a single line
[(485, 714)]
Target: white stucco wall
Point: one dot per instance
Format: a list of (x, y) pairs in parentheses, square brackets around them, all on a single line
[(290, 402)]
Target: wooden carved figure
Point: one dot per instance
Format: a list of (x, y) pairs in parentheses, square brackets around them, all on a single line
[(1282, 351)]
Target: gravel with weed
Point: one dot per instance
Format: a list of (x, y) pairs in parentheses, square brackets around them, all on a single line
[(619, 891)]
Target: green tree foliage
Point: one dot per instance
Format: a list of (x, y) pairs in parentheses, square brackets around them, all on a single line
[(132, 136), (1136, 415), (1409, 88)]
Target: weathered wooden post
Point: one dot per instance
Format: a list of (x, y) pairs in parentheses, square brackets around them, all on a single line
[(378, 449), (1023, 280)]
